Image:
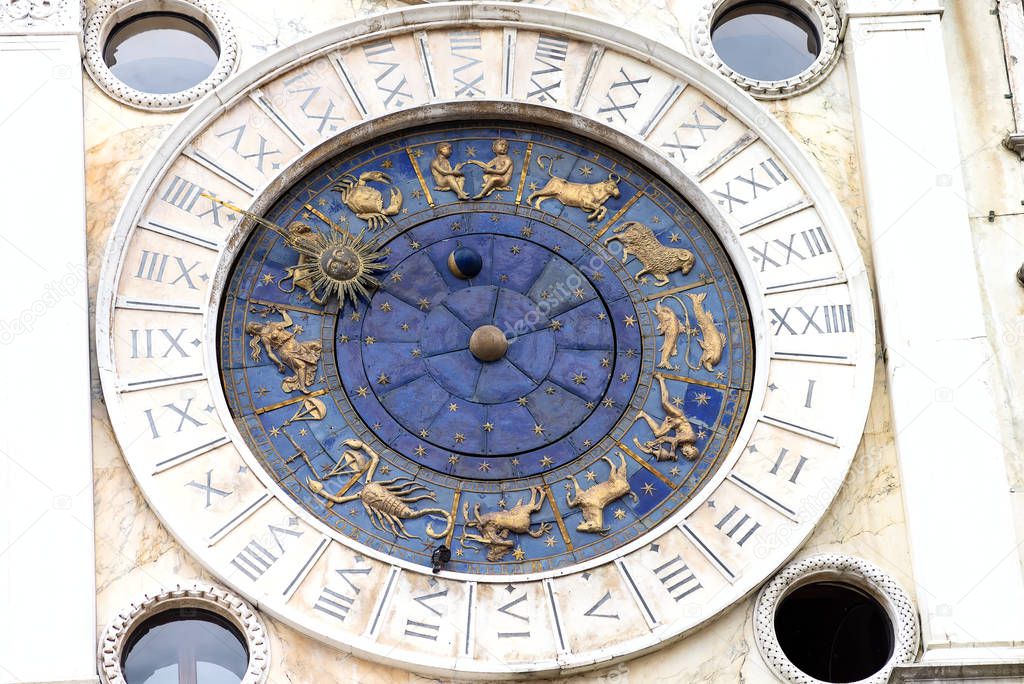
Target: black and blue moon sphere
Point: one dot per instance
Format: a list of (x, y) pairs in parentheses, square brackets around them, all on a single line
[(508, 355)]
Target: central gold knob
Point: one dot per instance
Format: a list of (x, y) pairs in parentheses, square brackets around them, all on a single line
[(488, 343)]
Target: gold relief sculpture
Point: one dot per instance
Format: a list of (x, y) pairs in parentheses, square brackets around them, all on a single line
[(664, 446), (589, 197), (497, 172), (494, 527), (284, 350), (657, 259), (593, 501), (447, 178), (366, 201), (712, 341), (386, 502), (670, 327), (300, 234)]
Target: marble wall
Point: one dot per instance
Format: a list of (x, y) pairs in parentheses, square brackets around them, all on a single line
[(134, 552)]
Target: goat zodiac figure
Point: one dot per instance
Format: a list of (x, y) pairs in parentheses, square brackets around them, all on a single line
[(494, 527), (386, 502)]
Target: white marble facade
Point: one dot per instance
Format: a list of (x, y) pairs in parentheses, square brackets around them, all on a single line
[(932, 495)]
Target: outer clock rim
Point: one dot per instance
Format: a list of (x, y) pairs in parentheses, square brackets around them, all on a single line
[(489, 111), (527, 18)]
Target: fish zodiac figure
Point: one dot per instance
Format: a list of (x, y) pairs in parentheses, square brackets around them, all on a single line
[(366, 201), (593, 501), (657, 259), (494, 527), (589, 197), (664, 445), (711, 341), (386, 502)]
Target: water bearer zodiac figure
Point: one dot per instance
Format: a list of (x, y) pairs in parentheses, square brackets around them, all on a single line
[(386, 502), (284, 350), (497, 172), (446, 177), (664, 445)]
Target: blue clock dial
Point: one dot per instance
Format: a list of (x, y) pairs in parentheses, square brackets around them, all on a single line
[(508, 340)]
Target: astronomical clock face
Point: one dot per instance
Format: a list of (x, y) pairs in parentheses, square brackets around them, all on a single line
[(429, 342), (600, 332)]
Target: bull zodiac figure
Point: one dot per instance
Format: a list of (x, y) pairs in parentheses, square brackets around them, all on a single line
[(386, 502), (657, 259), (366, 201), (664, 446), (589, 197), (494, 527), (593, 501)]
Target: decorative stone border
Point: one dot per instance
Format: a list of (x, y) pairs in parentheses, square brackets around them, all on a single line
[(822, 13), (112, 12), (40, 16), (201, 596), (835, 567)]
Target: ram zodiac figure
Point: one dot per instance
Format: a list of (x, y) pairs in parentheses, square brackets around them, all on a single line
[(589, 197), (657, 259)]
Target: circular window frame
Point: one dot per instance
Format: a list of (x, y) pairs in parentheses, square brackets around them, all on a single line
[(114, 13), (822, 15), (198, 596), (849, 570)]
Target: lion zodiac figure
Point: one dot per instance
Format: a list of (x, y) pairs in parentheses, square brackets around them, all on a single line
[(657, 259)]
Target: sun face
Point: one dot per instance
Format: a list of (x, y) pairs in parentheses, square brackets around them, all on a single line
[(342, 265)]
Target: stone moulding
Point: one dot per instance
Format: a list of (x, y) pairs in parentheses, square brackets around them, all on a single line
[(198, 596), (822, 13), (40, 16), (850, 570), (112, 12)]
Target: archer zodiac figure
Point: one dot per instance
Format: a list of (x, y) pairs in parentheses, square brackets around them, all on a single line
[(285, 350), (592, 501), (494, 527), (447, 178), (664, 445), (386, 502), (497, 172), (366, 201)]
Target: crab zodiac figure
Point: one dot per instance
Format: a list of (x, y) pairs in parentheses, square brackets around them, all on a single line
[(664, 445), (366, 201), (285, 351), (497, 172), (386, 502), (494, 527)]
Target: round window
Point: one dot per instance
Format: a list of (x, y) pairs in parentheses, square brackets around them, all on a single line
[(161, 52), (834, 631), (185, 645), (766, 41)]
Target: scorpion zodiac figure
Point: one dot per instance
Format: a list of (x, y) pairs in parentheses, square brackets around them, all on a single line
[(592, 501), (386, 502), (366, 201), (495, 526)]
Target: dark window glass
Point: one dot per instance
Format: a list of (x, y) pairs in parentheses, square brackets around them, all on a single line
[(161, 53), (768, 41), (185, 646), (834, 632)]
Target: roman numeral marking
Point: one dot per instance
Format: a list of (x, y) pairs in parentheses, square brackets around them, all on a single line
[(829, 319), (153, 266), (255, 559), (184, 417), (390, 87), (507, 609), (334, 604), (142, 342), (426, 630), (810, 393), (547, 77), (325, 116), (779, 253), (629, 97), (738, 525), (185, 194), (467, 46), (209, 489), (678, 579), (261, 152), (592, 611), (781, 460), (763, 177), (694, 142)]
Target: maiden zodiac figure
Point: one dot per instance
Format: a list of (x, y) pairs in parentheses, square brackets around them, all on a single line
[(663, 447), (446, 177), (285, 351), (497, 172)]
